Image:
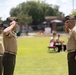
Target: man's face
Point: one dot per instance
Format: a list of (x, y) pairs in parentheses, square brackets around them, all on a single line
[(66, 27), (69, 25), (15, 27)]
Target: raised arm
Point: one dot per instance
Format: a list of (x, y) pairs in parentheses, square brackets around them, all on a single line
[(7, 30)]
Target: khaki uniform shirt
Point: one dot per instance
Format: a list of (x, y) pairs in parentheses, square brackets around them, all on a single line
[(71, 43), (10, 42), (1, 48)]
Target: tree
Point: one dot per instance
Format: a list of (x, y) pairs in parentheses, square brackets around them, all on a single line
[(74, 12), (24, 19), (35, 11), (0, 20), (73, 15)]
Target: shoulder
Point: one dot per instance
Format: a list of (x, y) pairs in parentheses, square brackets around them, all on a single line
[(74, 30)]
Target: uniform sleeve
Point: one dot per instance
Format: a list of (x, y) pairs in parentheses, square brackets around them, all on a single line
[(74, 34), (10, 35)]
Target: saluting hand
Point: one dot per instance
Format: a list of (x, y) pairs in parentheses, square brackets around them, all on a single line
[(13, 23)]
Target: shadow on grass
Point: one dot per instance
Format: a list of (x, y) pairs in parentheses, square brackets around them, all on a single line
[(52, 52), (55, 51)]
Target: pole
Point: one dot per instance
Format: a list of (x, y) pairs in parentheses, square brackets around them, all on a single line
[(73, 4)]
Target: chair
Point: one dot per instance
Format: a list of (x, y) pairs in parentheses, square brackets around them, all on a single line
[(52, 46)]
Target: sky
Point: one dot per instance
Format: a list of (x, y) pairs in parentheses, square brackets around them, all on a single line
[(65, 6)]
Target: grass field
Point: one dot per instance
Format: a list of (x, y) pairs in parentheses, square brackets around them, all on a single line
[(33, 58)]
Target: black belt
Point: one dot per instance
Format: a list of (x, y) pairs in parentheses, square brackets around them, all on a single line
[(14, 53), (1, 54), (73, 50)]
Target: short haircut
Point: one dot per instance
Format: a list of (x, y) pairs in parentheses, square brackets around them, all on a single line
[(70, 21), (10, 19)]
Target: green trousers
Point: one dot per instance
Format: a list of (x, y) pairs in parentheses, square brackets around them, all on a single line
[(9, 63), (0, 64), (71, 63)]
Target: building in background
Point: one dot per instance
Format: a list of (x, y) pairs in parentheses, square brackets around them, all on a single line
[(56, 23)]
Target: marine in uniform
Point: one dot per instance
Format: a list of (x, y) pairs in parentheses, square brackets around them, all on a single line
[(70, 28), (10, 47), (1, 56), (1, 50)]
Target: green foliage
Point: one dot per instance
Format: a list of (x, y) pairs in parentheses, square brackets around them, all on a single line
[(24, 19), (36, 9), (60, 28), (0, 21), (74, 13), (33, 58)]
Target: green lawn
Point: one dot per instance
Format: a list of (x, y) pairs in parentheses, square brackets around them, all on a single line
[(33, 58)]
